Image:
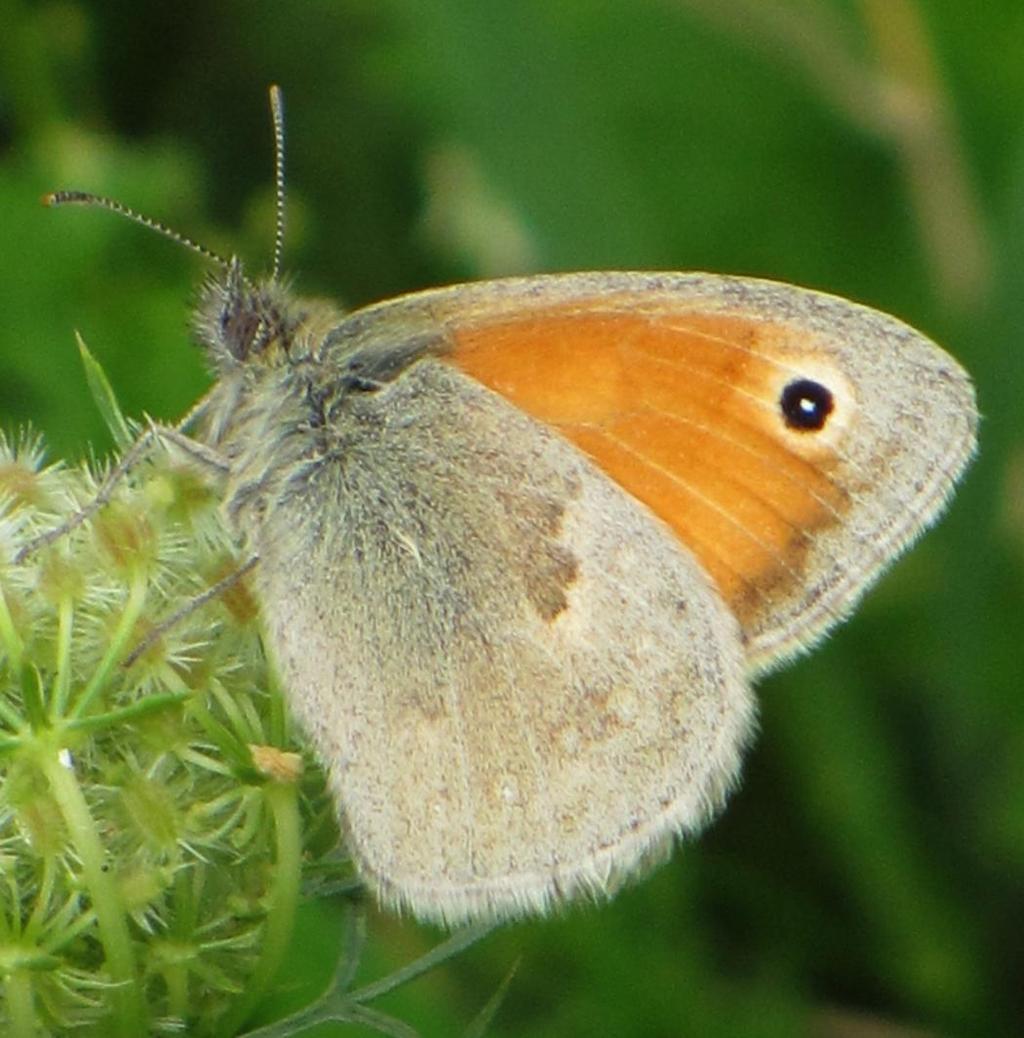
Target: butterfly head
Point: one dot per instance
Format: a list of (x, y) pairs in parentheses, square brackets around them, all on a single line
[(239, 321)]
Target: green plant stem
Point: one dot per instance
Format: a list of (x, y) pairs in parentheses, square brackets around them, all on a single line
[(9, 635), (111, 919), (20, 1004), (176, 979), (62, 662), (283, 801), (35, 922), (125, 626), (152, 704)]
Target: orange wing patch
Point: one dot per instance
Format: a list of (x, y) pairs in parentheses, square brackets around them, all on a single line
[(682, 411)]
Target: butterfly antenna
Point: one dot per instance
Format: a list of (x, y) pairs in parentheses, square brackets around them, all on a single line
[(56, 198), (277, 114)]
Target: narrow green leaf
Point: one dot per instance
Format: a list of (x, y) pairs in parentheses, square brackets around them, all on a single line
[(481, 1023), (448, 949), (104, 398)]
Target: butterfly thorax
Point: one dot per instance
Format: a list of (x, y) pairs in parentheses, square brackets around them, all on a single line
[(287, 370)]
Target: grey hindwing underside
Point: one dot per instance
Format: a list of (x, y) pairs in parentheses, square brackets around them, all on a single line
[(521, 683)]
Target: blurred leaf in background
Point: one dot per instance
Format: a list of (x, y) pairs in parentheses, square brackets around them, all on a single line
[(867, 878)]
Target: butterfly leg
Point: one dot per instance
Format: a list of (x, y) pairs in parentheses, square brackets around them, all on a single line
[(153, 434), (212, 592)]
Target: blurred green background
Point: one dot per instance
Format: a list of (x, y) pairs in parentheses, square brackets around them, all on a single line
[(868, 877)]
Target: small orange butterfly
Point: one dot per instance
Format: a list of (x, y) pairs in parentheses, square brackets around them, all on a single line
[(521, 545)]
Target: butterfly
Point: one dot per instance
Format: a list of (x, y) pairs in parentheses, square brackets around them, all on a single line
[(521, 546)]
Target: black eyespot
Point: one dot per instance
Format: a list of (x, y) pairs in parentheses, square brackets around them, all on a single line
[(806, 405)]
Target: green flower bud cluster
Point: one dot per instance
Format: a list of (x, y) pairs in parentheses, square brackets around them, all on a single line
[(156, 812)]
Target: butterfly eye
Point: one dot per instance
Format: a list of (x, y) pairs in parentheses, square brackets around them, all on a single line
[(806, 405)]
